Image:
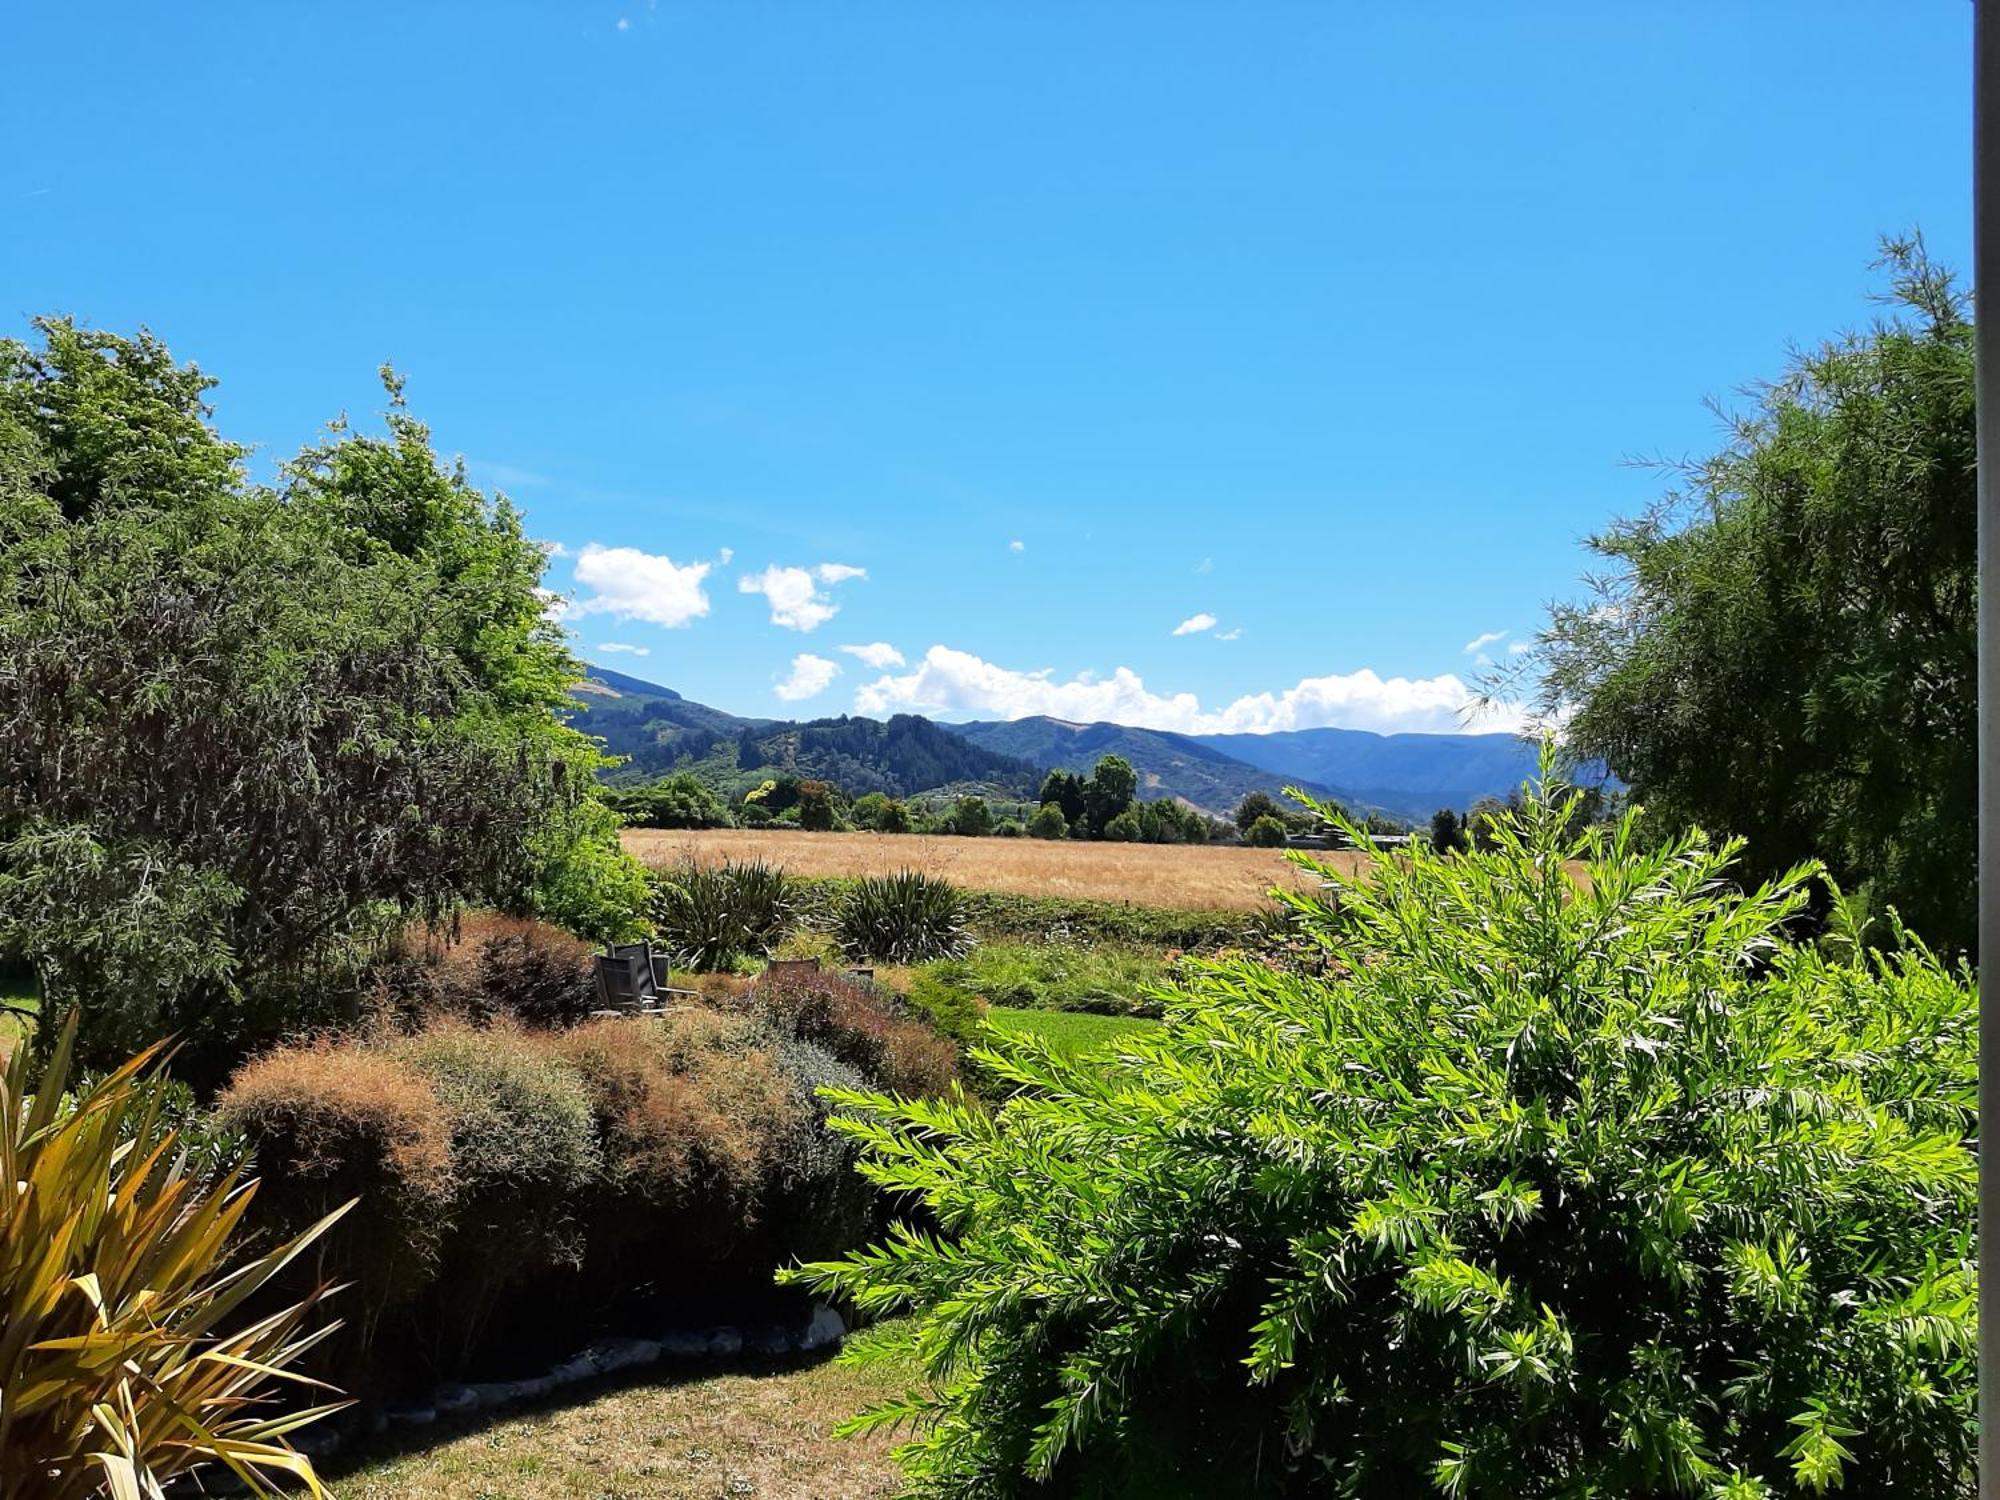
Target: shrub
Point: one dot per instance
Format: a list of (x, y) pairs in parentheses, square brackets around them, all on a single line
[(1048, 822), (905, 918), (816, 809), (535, 973), (334, 1123), (969, 817), (712, 915), (691, 1110), (116, 1272), (816, 1198), (523, 1149), (866, 1027), (1579, 1188), (1124, 828), (1266, 833)]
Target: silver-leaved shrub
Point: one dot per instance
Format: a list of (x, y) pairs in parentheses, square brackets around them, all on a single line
[(1574, 1178)]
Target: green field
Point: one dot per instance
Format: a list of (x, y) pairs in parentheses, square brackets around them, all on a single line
[(1069, 1032)]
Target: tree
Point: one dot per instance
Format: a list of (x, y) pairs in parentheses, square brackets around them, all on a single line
[(1257, 805), (1112, 786), (244, 729), (1266, 833), (1447, 833), (1785, 645), (893, 818), (682, 800), (815, 804), (1048, 822), (1064, 789), (1544, 1187), (1483, 822), (970, 817), (1124, 828)]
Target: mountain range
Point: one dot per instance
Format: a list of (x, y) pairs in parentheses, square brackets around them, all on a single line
[(1407, 776)]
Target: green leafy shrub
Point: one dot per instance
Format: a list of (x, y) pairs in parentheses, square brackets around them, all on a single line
[(1048, 822), (905, 918), (1107, 980), (1123, 828), (710, 916), (118, 1272), (1266, 833), (523, 1147), (1549, 1188)]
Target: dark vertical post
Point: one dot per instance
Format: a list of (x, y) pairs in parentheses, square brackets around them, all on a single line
[(1985, 276)]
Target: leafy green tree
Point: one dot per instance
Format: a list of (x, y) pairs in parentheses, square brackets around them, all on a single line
[(1048, 822), (1784, 647), (1065, 790), (682, 800), (894, 817), (1110, 791), (1447, 833), (969, 817), (243, 730), (1125, 828), (1257, 805), (1266, 833), (1545, 1187)]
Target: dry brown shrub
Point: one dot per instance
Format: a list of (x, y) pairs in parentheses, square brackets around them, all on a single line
[(690, 1107), (332, 1122), (482, 966), (862, 1026)]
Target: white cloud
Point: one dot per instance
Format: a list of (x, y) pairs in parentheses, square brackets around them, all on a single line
[(1520, 648), (877, 654), (623, 646), (555, 607), (1206, 565), (1233, 633), (1017, 546), (1195, 624), (635, 585), (948, 681), (624, 24), (1480, 642), (553, 549), (809, 678), (794, 593), (725, 555)]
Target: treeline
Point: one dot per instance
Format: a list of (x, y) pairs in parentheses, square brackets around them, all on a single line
[(1102, 805)]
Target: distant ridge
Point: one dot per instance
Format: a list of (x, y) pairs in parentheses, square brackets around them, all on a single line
[(1407, 776)]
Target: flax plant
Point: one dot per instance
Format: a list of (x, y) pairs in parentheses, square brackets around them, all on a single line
[(130, 1349)]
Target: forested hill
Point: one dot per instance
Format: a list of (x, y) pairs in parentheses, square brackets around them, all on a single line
[(1169, 765), (660, 731)]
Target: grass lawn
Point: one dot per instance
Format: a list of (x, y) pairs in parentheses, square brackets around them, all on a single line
[(719, 1437), (1068, 1031)]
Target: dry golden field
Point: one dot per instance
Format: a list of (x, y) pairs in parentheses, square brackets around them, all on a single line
[(1193, 877)]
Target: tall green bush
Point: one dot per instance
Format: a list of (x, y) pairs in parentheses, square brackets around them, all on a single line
[(1550, 1187)]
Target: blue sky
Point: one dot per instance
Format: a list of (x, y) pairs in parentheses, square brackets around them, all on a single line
[(1004, 340)]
